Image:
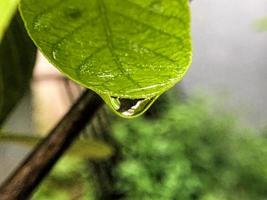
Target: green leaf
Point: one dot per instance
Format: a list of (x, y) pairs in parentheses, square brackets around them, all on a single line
[(88, 148), (27, 140), (17, 58), (133, 49), (7, 9), (91, 148), (261, 24)]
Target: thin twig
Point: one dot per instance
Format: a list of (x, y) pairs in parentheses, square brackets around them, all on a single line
[(40, 161)]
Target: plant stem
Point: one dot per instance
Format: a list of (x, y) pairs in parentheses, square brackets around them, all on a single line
[(40, 161)]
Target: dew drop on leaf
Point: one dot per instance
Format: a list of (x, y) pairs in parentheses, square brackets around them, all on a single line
[(129, 52), (129, 108)]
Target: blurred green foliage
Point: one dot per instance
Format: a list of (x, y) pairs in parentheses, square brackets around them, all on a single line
[(70, 179), (17, 58), (261, 24), (190, 152), (84, 148)]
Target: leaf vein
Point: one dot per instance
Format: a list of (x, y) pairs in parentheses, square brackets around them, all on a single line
[(46, 11), (144, 24), (83, 25), (153, 12), (97, 50), (149, 49), (102, 10)]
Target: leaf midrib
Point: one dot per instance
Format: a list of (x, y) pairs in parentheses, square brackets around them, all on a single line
[(113, 50), (110, 45)]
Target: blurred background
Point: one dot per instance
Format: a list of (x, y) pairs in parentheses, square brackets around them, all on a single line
[(209, 135)]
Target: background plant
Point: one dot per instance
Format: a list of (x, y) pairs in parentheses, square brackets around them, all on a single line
[(190, 153)]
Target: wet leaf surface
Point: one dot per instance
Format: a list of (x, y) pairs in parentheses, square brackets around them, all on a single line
[(132, 49)]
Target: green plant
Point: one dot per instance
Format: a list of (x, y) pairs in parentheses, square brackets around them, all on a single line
[(261, 24), (86, 149), (17, 58), (120, 49), (7, 8), (191, 153), (70, 179), (129, 52)]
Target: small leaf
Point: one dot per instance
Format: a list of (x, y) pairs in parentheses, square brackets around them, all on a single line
[(261, 24), (27, 140), (125, 49), (17, 58), (88, 148), (7, 9), (91, 148)]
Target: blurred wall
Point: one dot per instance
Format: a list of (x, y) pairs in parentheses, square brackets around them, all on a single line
[(230, 55)]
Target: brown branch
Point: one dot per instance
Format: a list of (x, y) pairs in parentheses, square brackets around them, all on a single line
[(38, 164)]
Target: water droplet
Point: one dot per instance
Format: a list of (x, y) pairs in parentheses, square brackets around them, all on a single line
[(38, 25), (54, 54), (115, 103), (129, 107)]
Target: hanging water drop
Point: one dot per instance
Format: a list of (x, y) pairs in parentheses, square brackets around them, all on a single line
[(115, 103), (129, 107)]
